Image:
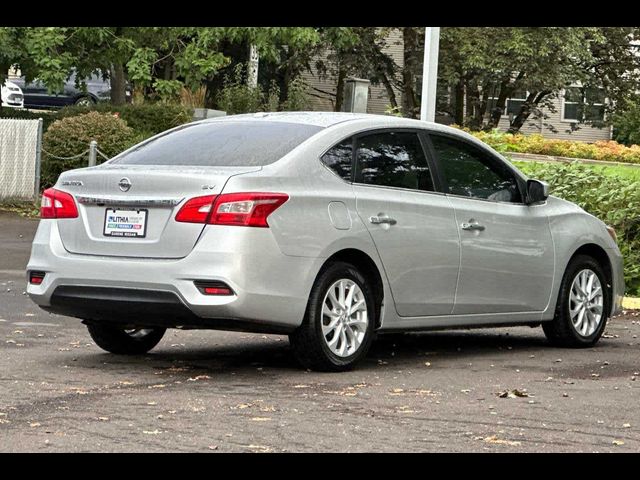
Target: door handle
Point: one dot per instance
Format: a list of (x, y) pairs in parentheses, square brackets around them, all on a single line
[(377, 220), (472, 226)]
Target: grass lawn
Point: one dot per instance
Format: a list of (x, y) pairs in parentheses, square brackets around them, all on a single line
[(632, 173)]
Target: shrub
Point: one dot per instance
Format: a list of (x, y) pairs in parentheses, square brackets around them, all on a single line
[(602, 150), (71, 136), (612, 198), (146, 119), (237, 97), (626, 122)]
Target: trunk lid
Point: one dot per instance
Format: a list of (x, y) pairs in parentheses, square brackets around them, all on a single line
[(160, 191)]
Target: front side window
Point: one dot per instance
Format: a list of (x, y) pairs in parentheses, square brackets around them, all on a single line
[(339, 159), (393, 159), (471, 172)]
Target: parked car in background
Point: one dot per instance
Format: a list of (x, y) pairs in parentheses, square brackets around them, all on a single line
[(328, 227), (12, 95), (36, 94)]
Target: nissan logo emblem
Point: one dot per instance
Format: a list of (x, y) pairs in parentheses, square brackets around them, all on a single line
[(124, 184)]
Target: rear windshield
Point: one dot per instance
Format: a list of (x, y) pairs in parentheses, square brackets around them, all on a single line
[(221, 144)]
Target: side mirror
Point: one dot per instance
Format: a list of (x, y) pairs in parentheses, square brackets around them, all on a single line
[(537, 191)]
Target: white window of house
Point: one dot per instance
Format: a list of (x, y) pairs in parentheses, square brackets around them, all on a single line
[(581, 105)]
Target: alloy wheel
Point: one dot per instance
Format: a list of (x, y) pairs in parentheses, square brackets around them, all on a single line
[(344, 317)]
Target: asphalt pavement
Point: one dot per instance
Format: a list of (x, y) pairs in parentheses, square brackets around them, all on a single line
[(498, 390)]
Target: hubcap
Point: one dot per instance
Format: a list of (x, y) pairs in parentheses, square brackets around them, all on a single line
[(138, 332), (344, 317), (586, 302)]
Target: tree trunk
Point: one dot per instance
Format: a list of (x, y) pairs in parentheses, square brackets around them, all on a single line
[(498, 110), (391, 93), (532, 101), (118, 84), (459, 103), (478, 105), (342, 74), (409, 100)]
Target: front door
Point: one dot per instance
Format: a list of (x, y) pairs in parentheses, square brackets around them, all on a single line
[(412, 226), (507, 259)]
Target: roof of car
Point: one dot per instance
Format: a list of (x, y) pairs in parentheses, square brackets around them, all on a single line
[(319, 119)]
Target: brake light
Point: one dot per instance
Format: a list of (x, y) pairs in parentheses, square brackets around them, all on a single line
[(239, 209), (57, 204), (246, 209), (196, 210)]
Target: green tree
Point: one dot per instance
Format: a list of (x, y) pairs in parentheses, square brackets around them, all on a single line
[(491, 63)]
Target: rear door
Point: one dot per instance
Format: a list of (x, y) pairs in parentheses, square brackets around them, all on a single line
[(507, 259), (412, 226)]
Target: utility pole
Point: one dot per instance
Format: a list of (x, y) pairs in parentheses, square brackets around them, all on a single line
[(430, 73)]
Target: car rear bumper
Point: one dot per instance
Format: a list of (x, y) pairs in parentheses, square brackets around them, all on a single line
[(270, 289)]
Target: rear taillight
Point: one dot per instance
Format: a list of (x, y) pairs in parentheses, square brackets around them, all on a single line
[(239, 209), (57, 204), (196, 210)]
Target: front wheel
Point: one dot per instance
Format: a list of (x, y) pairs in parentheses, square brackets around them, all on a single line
[(337, 329), (122, 341), (583, 303)]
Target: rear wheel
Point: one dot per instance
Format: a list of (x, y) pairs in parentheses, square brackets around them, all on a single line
[(583, 303), (337, 329), (134, 341), (84, 102)]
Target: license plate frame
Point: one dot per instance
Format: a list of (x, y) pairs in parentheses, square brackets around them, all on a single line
[(138, 229)]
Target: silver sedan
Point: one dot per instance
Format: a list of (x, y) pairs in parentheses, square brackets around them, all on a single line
[(328, 227)]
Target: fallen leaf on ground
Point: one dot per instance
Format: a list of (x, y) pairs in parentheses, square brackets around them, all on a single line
[(260, 448), (499, 441), (515, 393)]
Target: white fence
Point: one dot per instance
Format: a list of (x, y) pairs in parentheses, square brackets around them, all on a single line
[(20, 149)]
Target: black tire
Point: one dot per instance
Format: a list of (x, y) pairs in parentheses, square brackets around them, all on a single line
[(561, 331), (119, 341), (84, 101), (309, 345)]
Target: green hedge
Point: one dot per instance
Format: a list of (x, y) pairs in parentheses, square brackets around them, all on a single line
[(612, 198), (146, 120), (47, 117)]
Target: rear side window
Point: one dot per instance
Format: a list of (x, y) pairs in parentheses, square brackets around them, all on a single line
[(339, 159), (222, 144), (393, 159)]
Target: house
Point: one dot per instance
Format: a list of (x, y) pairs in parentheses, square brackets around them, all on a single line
[(569, 119)]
